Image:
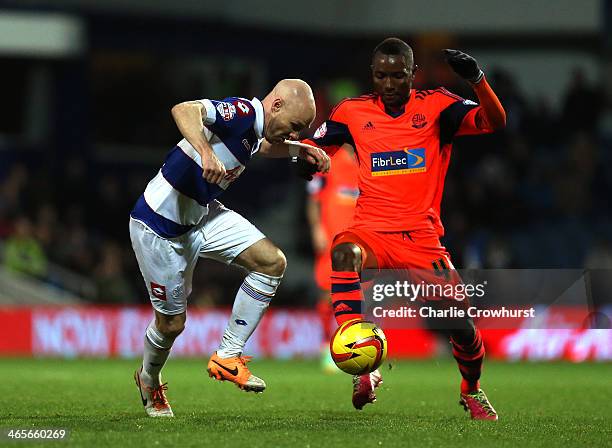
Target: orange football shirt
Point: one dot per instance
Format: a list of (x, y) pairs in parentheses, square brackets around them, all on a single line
[(336, 192), (403, 160)]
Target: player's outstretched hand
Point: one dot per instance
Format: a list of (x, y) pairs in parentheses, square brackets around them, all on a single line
[(213, 170), (463, 64)]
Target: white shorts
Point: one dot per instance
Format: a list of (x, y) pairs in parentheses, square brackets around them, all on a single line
[(167, 264)]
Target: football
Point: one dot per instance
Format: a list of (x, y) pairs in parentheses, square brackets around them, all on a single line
[(358, 347)]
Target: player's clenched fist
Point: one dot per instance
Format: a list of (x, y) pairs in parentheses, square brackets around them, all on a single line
[(213, 170), (463, 64), (310, 159), (315, 156)]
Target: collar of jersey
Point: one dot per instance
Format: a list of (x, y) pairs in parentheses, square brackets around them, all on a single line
[(259, 117), (407, 106)]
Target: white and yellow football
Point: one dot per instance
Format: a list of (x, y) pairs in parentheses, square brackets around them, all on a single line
[(358, 347)]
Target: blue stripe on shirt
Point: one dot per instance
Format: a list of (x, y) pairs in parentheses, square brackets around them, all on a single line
[(162, 226), (185, 176), (234, 143)]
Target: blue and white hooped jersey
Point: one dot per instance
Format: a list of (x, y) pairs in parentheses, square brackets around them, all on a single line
[(177, 198)]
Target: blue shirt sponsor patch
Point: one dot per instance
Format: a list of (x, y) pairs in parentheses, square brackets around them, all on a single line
[(404, 161)]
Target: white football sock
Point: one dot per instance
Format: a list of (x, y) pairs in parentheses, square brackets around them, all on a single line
[(156, 351), (252, 300)]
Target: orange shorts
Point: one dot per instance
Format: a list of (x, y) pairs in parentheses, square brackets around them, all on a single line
[(419, 249), (419, 254)]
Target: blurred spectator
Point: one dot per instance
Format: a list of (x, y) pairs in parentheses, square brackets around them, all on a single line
[(111, 282), (583, 103), (600, 255), (77, 248), (512, 98), (12, 191), (22, 252), (73, 185), (111, 202), (46, 227), (498, 254)]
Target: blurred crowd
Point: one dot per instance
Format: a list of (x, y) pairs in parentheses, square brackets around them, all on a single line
[(71, 222), (535, 195)]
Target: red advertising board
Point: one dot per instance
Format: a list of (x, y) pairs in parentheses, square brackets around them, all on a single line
[(118, 332)]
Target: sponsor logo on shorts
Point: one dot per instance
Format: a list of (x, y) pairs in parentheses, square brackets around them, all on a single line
[(226, 110), (158, 291), (402, 161)]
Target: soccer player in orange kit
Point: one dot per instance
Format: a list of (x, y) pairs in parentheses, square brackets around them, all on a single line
[(403, 139)]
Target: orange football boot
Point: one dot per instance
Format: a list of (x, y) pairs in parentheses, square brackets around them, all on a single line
[(235, 370)]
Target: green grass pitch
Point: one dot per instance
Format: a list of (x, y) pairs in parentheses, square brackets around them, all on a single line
[(554, 404)]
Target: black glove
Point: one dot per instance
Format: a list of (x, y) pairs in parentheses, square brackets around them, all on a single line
[(304, 168), (463, 64)]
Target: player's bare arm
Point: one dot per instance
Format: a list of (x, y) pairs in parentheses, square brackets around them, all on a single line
[(289, 148), (492, 113), (189, 120)]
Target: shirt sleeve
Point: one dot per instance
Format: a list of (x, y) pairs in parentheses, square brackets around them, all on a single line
[(333, 133), (231, 115), (474, 123), (460, 117)]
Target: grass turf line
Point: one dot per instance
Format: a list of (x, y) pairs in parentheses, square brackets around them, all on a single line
[(556, 404)]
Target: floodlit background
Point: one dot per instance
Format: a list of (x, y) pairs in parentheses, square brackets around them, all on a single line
[(85, 95)]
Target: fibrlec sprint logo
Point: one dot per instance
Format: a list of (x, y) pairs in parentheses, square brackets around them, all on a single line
[(403, 161)]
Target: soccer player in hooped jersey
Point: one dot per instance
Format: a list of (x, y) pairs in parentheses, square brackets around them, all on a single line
[(403, 139), (178, 219)]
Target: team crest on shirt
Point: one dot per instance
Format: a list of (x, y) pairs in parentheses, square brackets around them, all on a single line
[(419, 121), (399, 161), (226, 110), (321, 131)]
